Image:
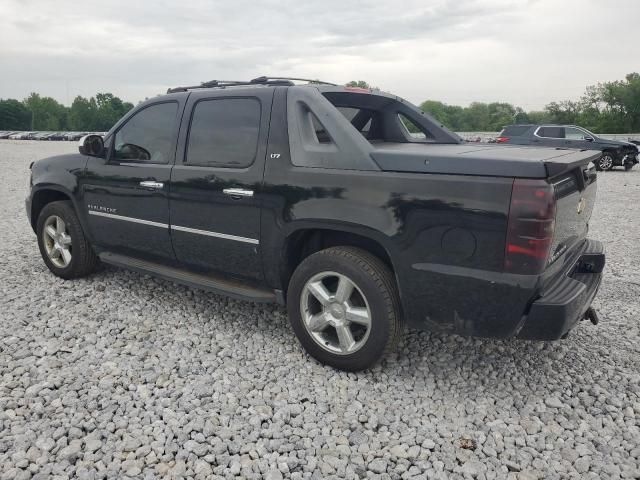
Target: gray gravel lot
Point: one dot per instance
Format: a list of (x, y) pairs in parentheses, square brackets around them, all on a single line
[(122, 375)]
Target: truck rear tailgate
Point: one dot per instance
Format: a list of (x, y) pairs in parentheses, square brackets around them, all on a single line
[(575, 188)]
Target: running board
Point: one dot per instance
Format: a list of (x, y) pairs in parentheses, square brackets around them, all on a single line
[(231, 288)]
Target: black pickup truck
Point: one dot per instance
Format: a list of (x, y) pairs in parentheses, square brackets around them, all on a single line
[(352, 207)]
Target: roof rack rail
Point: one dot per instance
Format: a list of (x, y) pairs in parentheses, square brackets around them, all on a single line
[(264, 80)]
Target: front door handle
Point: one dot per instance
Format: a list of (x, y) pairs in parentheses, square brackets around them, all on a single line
[(238, 192), (151, 184)]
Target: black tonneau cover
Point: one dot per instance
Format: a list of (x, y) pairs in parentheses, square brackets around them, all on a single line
[(483, 159)]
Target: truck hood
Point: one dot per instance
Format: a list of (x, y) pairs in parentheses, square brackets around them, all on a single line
[(479, 159)]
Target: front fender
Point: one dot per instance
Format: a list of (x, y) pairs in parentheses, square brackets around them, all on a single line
[(57, 174)]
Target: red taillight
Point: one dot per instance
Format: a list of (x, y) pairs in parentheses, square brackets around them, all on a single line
[(502, 139), (532, 215)]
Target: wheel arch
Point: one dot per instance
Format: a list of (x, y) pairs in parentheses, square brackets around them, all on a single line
[(613, 151), (305, 241), (45, 195)]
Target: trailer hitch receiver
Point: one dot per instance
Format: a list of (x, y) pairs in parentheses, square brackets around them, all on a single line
[(592, 316)]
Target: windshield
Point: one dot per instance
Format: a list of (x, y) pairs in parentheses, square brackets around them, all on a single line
[(588, 132)]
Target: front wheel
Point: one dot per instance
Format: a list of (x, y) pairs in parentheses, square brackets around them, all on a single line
[(344, 307), (605, 162), (63, 246)]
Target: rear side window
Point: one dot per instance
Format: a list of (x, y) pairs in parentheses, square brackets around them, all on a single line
[(148, 136), (224, 133), (551, 132), (514, 131)]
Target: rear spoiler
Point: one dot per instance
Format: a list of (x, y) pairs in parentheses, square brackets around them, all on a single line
[(569, 161)]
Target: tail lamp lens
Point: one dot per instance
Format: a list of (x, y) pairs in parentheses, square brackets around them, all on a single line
[(530, 228)]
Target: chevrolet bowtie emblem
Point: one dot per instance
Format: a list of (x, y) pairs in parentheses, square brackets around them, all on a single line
[(581, 205)]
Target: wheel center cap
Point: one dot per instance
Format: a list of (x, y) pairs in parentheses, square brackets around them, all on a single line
[(337, 310)]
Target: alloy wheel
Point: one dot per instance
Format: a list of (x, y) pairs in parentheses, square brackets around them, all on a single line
[(335, 313), (606, 162), (57, 241)]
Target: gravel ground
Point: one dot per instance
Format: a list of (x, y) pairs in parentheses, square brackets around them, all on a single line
[(122, 375)]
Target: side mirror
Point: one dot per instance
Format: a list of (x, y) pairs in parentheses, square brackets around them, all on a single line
[(588, 139), (92, 145)]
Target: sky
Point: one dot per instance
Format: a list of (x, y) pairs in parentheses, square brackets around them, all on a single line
[(526, 52)]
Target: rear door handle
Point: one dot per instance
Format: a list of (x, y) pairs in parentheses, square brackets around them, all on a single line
[(238, 192), (151, 184)]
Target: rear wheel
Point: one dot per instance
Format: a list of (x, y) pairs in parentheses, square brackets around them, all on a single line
[(63, 246), (344, 307), (605, 162)]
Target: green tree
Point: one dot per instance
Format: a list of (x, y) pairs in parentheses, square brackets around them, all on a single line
[(358, 83), (521, 117), (567, 112), (437, 110), (14, 115), (538, 116), (451, 116), (611, 107), (500, 114), (46, 113), (622, 102), (476, 117), (109, 110), (83, 114)]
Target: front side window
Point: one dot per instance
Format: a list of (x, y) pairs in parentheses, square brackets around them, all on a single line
[(148, 136), (571, 133), (224, 133)]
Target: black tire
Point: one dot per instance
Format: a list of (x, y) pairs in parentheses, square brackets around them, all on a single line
[(83, 259), (373, 282), (605, 162), (628, 166)]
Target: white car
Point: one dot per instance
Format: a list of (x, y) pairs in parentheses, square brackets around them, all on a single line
[(19, 136)]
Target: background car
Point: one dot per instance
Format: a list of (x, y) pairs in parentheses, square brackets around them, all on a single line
[(74, 136), (614, 152), (19, 136)]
